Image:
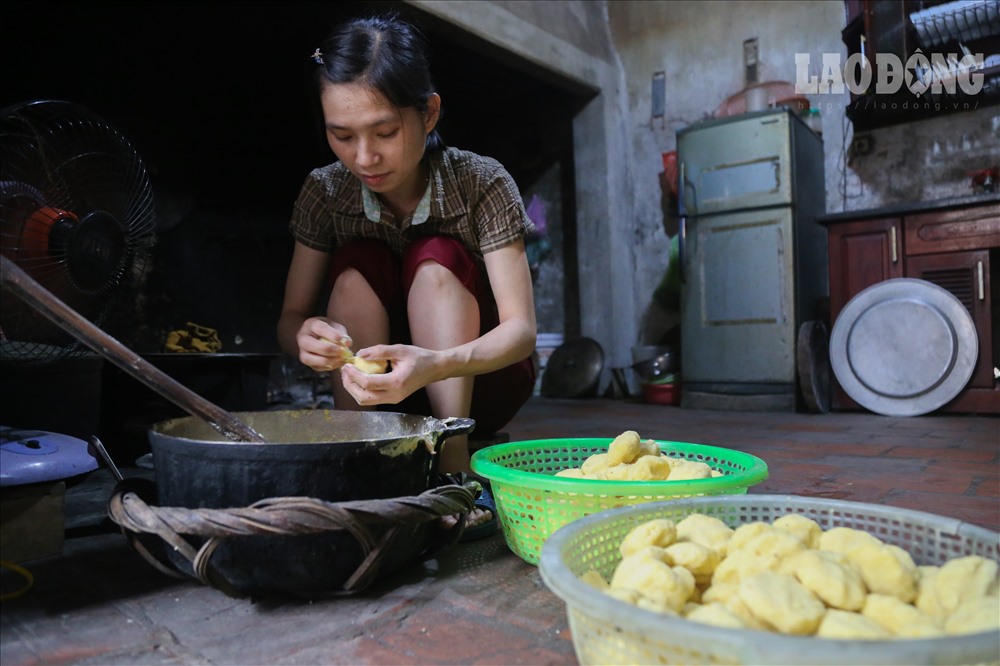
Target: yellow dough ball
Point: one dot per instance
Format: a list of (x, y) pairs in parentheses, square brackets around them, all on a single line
[(595, 465), (956, 582), (364, 365), (718, 592), (660, 532), (766, 551), (727, 573), (806, 529), (625, 448), (781, 602), (886, 569), (848, 625), (843, 539), (737, 607), (595, 580), (745, 533), (900, 618), (981, 614), (717, 615), (649, 447), (708, 531), (667, 586), (571, 473), (619, 472), (648, 468), (694, 557), (687, 470), (369, 367), (627, 595), (829, 576)]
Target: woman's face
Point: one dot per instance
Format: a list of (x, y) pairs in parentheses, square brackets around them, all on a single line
[(380, 144)]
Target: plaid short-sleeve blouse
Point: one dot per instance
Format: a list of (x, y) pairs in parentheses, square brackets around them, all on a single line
[(472, 198)]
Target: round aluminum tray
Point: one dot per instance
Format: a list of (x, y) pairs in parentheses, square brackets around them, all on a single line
[(903, 347)]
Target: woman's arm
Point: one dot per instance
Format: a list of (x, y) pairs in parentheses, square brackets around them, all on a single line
[(514, 338), (315, 341)]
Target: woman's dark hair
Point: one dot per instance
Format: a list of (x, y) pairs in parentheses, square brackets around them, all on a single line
[(383, 52)]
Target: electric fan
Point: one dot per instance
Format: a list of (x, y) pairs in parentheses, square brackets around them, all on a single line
[(76, 214)]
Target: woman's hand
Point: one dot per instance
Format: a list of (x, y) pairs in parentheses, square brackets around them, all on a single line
[(322, 343), (411, 369)]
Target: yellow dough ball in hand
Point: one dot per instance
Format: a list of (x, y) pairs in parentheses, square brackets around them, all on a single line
[(364, 365), (369, 367)]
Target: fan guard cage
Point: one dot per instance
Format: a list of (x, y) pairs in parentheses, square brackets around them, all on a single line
[(76, 214)]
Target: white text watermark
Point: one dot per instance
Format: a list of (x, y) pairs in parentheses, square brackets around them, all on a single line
[(920, 73)]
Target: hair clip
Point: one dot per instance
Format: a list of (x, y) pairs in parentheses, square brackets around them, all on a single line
[(318, 57)]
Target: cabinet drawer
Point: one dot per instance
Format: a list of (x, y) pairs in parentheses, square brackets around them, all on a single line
[(973, 228)]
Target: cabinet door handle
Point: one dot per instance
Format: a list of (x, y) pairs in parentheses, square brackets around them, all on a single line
[(892, 240), (982, 290)]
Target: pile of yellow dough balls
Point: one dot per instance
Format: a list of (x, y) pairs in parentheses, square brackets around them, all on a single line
[(790, 576), (631, 458)]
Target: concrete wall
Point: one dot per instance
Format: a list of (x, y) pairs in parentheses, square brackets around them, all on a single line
[(616, 46), (572, 39)]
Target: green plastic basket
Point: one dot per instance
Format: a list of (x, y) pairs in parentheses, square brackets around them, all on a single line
[(533, 503)]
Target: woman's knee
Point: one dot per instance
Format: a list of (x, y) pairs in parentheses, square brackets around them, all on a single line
[(445, 253), (350, 292), (430, 276)]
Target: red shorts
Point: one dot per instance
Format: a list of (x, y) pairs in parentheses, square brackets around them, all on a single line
[(496, 396)]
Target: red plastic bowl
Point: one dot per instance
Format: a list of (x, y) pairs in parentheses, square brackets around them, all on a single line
[(662, 394)]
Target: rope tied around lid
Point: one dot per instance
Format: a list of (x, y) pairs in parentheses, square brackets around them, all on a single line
[(288, 516)]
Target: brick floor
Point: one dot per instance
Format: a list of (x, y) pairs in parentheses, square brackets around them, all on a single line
[(478, 603)]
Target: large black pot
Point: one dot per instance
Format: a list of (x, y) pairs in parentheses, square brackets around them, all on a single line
[(336, 456)]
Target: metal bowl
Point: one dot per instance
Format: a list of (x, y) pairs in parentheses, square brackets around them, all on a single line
[(657, 367)]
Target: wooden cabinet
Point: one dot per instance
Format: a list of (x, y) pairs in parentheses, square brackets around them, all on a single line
[(965, 275), (861, 254), (956, 247)]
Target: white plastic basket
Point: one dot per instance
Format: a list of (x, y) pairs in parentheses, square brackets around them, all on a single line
[(608, 631)]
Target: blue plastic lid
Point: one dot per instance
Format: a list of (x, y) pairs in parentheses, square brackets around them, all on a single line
[(36, 456)]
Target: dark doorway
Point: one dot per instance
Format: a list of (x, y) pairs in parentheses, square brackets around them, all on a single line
[(215, 98)]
